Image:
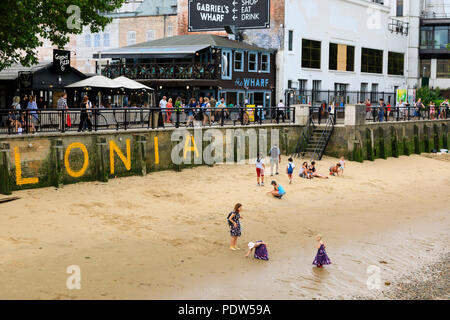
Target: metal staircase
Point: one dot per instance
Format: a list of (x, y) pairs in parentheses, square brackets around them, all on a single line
[(314, 139)]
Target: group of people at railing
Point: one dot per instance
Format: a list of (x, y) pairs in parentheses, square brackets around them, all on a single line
[(161, 71), (210, 111)]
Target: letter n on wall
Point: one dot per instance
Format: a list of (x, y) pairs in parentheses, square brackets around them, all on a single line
[(113, 148)]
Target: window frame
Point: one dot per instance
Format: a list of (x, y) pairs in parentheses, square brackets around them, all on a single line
[(129, 33), (150, 31), (291, 40), (249, 61), (230, 64), (368, 63), (391, 59), (86, 37), (439, 75), (242, 60), (310, 60), (268, 62), (107, 43)]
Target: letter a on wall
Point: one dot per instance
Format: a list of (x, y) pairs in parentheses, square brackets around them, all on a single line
[(114, 148)]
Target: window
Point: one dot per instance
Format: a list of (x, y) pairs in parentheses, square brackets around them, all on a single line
[(371, 61), (265, 62), (443, 68), (396, 63), (227, 64), (374, 93), (364, 89), (150, 35), (399, 8), (426, 37), (131, 38), (441, 37), (291, 40), (238, 61), (169, 30), (425, 68), (106, 39), (342, 57), (311, 54), (96, 40), (289, 84), (317, 84), (302, 84), (252, 62), (87, 40)]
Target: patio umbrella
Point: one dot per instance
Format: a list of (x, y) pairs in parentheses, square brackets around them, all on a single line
[(131, 84), (97, 82)]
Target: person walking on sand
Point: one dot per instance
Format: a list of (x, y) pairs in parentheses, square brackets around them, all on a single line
[(290, 169), (278, 191), (275, 158), (321, 258), (260, 250), (235, 225), (260, 167), (342, 166)]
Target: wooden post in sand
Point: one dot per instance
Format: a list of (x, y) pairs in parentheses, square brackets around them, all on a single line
[(141, 155), (5, 182), (102, 174), (57, 162)]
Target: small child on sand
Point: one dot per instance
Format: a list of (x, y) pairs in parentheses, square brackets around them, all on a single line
[(342, 165), (290, 169), (321, 258), (335, 170), (260, 250), (278, 191), (260, 167)]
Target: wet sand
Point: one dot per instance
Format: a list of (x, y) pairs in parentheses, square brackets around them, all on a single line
[(164, 236)]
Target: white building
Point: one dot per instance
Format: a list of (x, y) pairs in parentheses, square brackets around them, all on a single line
[(346, 45)]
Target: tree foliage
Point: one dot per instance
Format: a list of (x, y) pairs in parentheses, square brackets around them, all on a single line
[(428, 94), (24, 24)]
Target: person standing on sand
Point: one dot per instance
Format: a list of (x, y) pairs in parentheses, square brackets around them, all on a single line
[(275, 158), (260, 250), (321, 258), (342, 166), (235, 226), (260, 167), (290, 169)]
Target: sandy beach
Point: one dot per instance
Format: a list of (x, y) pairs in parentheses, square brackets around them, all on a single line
[(165, 236)]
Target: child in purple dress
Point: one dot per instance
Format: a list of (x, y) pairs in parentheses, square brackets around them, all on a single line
[(321, 257), (260, 250)]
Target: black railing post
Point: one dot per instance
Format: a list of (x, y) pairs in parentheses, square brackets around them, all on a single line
[(242, 116), (125, 119), (95, 120), (152, 118), (398, 114), (177, 121), (222, 117), (63, 120), (26, 122), (293, 115)]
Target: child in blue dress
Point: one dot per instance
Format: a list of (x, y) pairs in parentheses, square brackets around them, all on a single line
[(321, 258)]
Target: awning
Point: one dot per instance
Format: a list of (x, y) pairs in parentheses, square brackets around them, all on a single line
[(131, 84), (100, 82), (163, 50)]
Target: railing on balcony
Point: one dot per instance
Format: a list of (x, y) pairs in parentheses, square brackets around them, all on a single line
[(179, 71), (434, 15)]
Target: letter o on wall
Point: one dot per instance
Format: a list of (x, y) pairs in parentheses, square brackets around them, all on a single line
[(82, 171)]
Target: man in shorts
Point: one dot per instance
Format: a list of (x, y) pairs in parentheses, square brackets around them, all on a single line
[(275, 158)]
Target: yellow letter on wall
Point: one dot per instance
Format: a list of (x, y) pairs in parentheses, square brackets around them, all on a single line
[(19, 180), (114, 148), (82, 171)]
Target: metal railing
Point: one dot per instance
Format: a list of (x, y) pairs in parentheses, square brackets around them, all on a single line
[(69, 120), (391, 114), (337, 97), (161, 71)]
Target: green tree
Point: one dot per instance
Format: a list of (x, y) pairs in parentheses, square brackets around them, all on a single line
[(24, 24), (428, 94)]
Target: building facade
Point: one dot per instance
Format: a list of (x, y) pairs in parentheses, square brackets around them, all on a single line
[(434, 57), (136, 21)]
